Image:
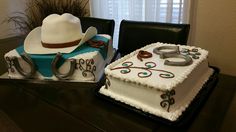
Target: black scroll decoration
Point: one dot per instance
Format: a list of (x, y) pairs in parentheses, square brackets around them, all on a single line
[(168, 100), (87, 67), (107, 83), (10, 64), (194, 53), (147, 70)]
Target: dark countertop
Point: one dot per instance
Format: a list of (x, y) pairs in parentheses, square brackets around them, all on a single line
[(58, 106)]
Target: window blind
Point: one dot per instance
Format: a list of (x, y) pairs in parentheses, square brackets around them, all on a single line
[(170, 11)]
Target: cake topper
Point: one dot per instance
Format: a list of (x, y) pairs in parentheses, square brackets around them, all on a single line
[(58, 33)]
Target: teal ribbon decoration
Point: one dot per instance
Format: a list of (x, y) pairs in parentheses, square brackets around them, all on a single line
[(43, 62)]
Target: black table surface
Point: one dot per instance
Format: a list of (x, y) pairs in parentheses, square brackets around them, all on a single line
[(36, 106)]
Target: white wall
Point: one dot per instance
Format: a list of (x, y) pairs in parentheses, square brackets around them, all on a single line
[(214, 28), (7, 7)]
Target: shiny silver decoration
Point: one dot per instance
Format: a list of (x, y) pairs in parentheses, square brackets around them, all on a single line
[(57, 73), (173, 53), (159, 50), (28, 60), (187, 60)]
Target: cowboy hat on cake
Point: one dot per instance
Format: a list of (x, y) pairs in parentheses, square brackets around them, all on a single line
[(58, 33)]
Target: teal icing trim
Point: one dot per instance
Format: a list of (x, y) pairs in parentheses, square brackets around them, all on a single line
[(43, 62)]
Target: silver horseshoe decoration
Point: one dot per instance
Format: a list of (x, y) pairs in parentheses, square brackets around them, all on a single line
[(187, 60), (28, 60), (57, 73), (174, 50), (175, 53)]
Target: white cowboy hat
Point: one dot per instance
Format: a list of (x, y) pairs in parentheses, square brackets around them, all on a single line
[(59, 33)]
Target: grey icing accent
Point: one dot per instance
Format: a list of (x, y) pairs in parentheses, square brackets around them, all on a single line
[(28, 60), (57, 73), (158, 50), (174, 53), (187, 60)]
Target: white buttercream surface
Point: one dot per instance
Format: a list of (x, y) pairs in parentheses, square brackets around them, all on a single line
[(145, 93), (180, 72)]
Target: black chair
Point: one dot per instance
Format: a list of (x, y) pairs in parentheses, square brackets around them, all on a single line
[(134, 34), (104, 26)]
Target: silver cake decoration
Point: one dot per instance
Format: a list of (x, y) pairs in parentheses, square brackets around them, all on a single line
[(28, 60), (65, 75), (173, 53)]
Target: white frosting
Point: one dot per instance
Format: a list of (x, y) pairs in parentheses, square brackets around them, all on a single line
[(145, 93), (180, 72), (61, 29), (99, 63)]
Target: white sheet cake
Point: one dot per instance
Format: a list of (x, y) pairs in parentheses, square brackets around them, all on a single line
[(146, 80)]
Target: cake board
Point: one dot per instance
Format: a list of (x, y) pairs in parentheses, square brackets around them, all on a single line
[(187, 116)]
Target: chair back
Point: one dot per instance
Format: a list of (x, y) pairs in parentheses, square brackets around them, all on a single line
[(135, 34), (104, 26)]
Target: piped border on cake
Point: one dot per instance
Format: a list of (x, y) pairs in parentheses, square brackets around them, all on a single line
[(177, 79), (171, 115)]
